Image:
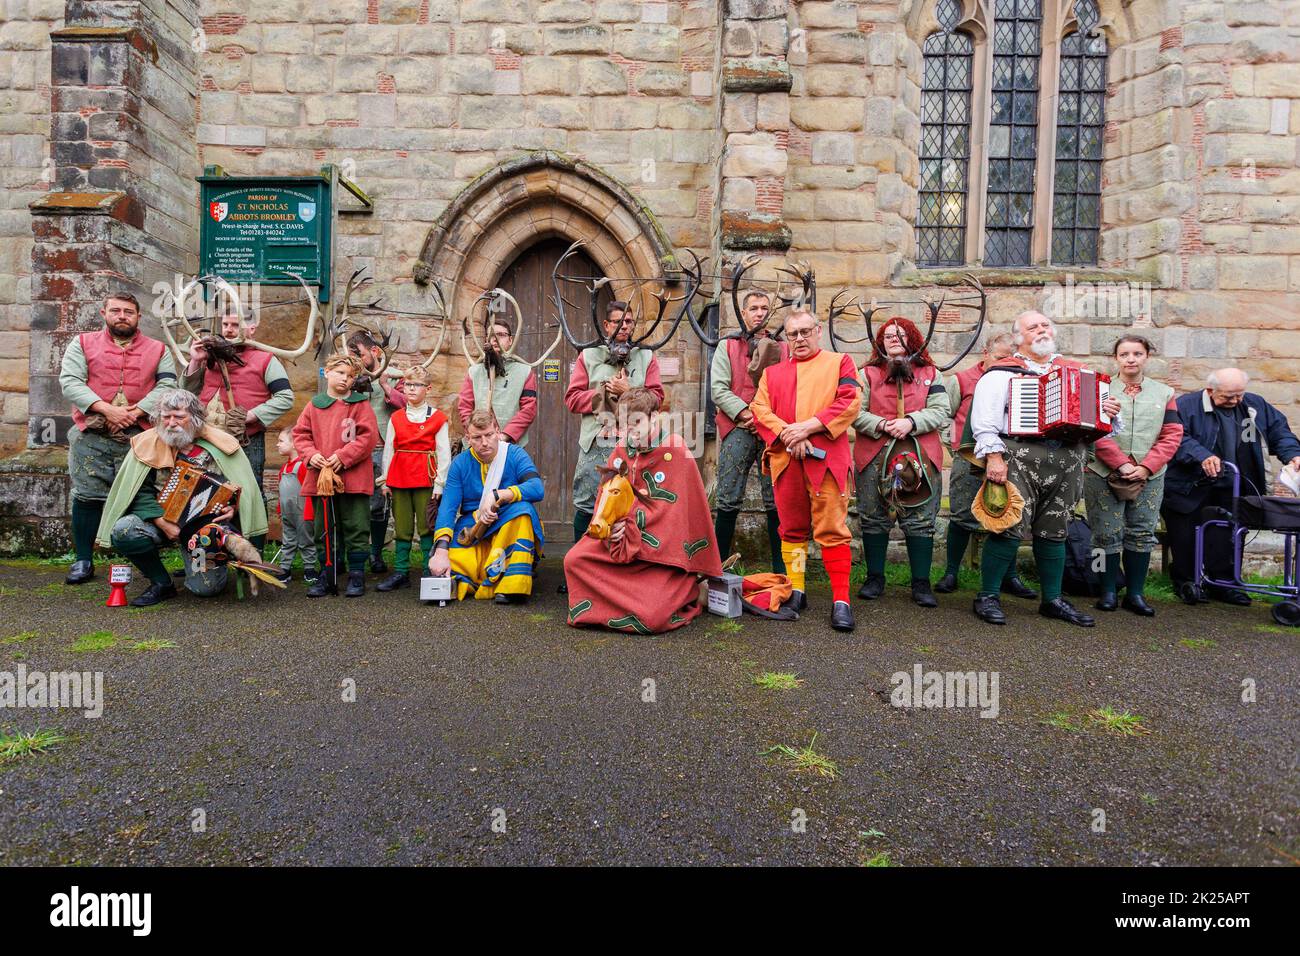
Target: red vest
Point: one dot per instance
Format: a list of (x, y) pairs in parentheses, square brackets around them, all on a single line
[(884, 402), (741, 383), (415, 450), (966, 380), (110, 367), (247, 381)]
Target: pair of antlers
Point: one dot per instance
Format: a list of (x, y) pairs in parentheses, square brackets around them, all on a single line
[(691, 279), (976, 300), (181, 351)]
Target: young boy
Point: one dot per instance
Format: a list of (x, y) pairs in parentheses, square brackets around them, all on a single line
[(338, 429), (295, 531), (417, 452)]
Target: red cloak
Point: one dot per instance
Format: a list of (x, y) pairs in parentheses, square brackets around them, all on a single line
[(648, 582)]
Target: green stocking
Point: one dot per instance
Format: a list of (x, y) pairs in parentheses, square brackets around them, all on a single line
[(1050, 558)]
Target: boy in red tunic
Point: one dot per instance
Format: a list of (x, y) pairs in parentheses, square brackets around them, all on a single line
[(643, 577), (338, 429), (417, 453), (803, 409)]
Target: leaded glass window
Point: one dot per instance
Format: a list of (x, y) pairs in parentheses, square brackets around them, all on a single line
[(945, 141), (1013, 132), (1080, 123)]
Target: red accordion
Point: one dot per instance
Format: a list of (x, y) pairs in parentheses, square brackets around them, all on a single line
[(1064, 404)]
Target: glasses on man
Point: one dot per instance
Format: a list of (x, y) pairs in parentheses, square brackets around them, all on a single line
[(803, 333)]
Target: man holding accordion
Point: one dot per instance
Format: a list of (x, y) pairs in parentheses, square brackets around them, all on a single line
[(145, 512), (1046, 471)]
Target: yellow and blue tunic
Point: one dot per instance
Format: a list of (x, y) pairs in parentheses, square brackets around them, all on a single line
[(504, 560)]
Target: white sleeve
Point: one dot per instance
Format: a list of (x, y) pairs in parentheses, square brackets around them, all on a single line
[(388, 451), (988, 412), (444, 459)]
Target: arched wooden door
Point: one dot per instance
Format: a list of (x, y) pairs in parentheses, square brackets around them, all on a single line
[(553, 438)]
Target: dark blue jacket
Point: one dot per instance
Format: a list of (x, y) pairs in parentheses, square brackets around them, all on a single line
[(1184, 489)]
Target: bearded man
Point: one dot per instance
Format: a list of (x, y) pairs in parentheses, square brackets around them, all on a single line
[(133, 522), (112, 379), (1047, 472), (505, 386)]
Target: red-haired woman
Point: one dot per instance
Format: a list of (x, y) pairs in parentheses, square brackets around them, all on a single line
[(903, 398), (1125, 481)]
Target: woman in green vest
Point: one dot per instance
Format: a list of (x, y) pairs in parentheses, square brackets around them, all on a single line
[(1125, 481)]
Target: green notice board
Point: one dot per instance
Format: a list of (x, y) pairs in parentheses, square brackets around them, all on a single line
[(267, 229)]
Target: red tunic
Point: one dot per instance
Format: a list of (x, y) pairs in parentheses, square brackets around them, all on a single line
[(110, 367), (884, 402), (966, 380), (346, 428), (415, 450), (247, 381)]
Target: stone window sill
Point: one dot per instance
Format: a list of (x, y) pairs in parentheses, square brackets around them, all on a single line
[(1018, 276)]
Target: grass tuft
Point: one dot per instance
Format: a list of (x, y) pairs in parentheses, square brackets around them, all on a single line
[(805, 759), (538, 618), (15, 745), (22, 638), (1196, 643), (95, 641), (1062, 720), (728, 626), (151, 644), (878, 859), (777, 680), (1121, 724)]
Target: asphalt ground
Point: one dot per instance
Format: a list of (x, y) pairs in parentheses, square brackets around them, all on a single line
[(499, 735)]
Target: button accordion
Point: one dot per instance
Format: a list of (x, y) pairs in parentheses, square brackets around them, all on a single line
[(1064, 405), (192, 493)]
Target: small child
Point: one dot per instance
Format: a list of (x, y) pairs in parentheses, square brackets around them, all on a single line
[(295, 532), (417, 453), (338, 429)]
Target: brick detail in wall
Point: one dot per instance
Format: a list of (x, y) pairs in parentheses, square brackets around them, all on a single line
[(224, 24)]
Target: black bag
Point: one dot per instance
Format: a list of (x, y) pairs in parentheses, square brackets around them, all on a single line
[(1080, 579), (1269, 512)]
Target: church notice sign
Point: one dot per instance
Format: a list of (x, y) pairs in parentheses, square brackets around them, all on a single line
[(267, 229)]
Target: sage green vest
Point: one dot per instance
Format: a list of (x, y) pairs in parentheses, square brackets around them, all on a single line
[(1143, 415), (600, 370), (506, 394)]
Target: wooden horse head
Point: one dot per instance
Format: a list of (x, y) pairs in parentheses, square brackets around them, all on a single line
[(614, 501)]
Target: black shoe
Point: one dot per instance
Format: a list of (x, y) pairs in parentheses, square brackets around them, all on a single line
[(1138, 605), (155, 594), (1230, 596), (321, 587), (1107, 602), (798, 602), (1018, 588), (178, 573), (356, 584), (922, 596), (80, 572), (563, 588), (989, 610), (842, 616), (377, 565), (284, 574), (946, 584), (872, 587), (1063, 610), (509, 598), (398, 579)]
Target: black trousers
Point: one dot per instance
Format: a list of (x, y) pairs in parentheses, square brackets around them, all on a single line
[(1182, 541)]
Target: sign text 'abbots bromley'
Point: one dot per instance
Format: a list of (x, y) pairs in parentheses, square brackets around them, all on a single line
[(267, 229)]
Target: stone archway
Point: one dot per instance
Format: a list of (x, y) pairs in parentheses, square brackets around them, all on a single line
[(536, 196)]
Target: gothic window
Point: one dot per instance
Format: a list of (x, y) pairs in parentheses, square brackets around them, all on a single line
[(1012, 128), (1013, 132), (945, 141), (1080, 121)]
